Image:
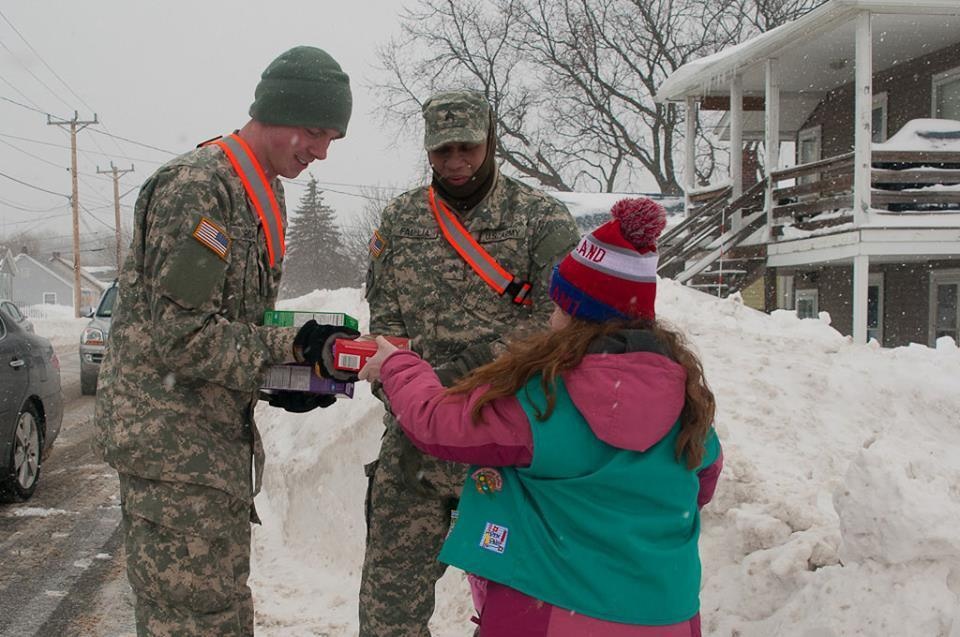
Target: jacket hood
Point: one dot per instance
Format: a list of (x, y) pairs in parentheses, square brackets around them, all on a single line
[(629, 391)]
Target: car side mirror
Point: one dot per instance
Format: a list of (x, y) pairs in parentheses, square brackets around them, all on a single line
[(87, 312)]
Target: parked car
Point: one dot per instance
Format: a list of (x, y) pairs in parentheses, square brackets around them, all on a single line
[(31, 403), (93, 341), (15, 315)]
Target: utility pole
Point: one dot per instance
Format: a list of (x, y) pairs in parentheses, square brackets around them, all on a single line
[(75, 127), (116, 201)]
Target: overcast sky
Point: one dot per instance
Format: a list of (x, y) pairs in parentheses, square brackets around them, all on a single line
[(171, 74)]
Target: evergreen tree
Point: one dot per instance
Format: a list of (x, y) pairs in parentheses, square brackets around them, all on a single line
[(315, 256)]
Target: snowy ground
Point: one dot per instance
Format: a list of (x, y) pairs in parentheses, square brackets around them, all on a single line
[(836, 514)]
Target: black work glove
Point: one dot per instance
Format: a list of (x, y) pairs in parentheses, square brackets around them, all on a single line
[(314, 344), (297, 402)]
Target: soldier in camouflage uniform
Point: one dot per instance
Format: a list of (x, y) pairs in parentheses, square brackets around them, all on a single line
[(418, 286), (188, 351)]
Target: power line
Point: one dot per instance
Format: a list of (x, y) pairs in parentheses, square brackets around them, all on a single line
[(36, 107), (19, 181), (302, 182), (57, 75), (32, 74), (133, 141), (29, 154), (43, 143), (39, 57), (97, 219), (17, 206)]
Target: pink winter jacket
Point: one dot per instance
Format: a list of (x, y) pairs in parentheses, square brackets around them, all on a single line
[(442, 426)]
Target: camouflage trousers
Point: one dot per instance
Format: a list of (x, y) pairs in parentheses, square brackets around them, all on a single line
[(188, 559), (409, 500)]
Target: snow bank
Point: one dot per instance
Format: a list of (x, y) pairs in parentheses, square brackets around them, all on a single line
[(836, 514), (57, 323)]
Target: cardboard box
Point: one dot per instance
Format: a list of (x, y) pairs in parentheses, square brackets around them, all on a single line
[(350, 355), (290, 318), (302, 377)]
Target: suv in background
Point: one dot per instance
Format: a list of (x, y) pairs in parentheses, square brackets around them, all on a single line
[(93, 341)]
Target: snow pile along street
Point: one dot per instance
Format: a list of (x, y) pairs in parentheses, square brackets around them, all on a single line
[(836, 514)]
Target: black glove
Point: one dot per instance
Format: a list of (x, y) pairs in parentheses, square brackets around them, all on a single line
[(297, 402), (314, 344)]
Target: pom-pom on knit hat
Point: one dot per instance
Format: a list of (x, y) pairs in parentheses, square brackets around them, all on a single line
[(612, 273)]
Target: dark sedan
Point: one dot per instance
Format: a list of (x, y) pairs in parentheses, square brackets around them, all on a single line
[(31, 403)]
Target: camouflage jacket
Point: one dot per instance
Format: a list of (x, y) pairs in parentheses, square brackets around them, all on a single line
[(419, 287), (188, 348)]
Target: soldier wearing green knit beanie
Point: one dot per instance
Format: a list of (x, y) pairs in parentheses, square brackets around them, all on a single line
[(189, 350), (304, 87)]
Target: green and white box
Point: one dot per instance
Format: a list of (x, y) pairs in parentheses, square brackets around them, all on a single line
[(291, 318)]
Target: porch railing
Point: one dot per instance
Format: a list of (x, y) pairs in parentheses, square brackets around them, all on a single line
[(901, 181)]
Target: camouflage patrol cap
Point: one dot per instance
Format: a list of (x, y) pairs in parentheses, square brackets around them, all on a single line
[(455, 116)]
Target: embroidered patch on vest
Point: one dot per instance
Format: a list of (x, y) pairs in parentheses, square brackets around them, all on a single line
[(494, 538), (487, 480), (377, 244), (212, 236), (499, 234), (416, 232)]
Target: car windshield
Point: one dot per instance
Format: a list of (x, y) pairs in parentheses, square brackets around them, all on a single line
[(105, 308)]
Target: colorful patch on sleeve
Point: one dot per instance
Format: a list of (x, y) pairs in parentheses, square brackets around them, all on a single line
[(377, 244), (487, 480), (212, 236), (494, 538)]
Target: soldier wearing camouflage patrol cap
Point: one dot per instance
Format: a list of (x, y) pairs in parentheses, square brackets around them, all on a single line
[(188, 350), (432, 278)]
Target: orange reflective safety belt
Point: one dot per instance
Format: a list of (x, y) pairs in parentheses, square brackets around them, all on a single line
[(258, 190), (479, 259)]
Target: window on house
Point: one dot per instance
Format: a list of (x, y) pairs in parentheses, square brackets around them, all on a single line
[(946, 95), (785, 291), (878, 118), (807, 303), (875, 307), (49, 298), (944, 305), (808, 151)]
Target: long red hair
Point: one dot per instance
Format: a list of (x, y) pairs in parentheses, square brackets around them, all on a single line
[(551, 353)]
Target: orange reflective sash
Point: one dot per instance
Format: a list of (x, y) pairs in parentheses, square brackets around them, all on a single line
[(259, 191), (476, 257)]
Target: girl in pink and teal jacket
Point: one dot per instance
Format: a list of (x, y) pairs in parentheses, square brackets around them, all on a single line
[(592, 452)]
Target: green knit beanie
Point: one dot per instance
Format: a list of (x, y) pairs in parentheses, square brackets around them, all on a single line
[(304, 87)]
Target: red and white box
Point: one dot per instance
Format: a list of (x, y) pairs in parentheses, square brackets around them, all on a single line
[(350, 355)]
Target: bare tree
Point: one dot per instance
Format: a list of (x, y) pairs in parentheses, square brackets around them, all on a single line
[(572, 81), (357, 235)]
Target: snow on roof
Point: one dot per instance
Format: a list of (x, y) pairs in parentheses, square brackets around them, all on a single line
[(925, 135), (808, 47), (590, 209)]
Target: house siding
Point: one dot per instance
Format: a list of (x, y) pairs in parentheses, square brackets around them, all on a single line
[(35, 278), (906, 312), (31, 283), (909, 94), (906, 297)]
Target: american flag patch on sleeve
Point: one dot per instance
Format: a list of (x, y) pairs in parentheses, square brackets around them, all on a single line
[(377, 244), (213, 236)]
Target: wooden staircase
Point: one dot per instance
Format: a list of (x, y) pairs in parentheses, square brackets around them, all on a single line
[(704, 250)]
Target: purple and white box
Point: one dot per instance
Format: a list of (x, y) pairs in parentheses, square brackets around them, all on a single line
[(295, 377)]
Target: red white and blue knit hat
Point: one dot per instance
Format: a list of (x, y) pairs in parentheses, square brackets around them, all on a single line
[(612, 273)]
